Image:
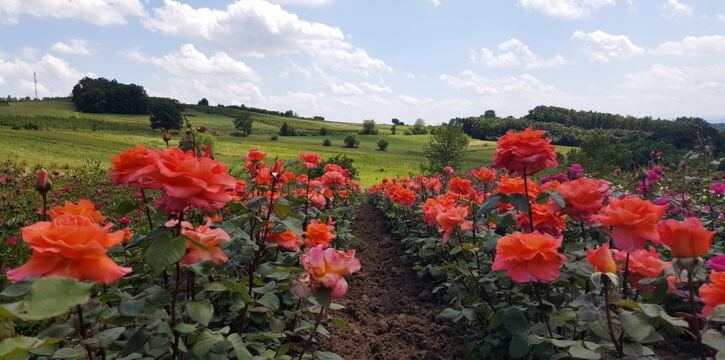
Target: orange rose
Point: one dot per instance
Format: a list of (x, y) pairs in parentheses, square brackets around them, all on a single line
[(310, 160), (460, 186), (451, 218), (189, 181), (135, 167), (602, 260), (524, 152), (546, 219), (634, 221), (287, 240), (713, 294), (529, 257), (83, 208), (403, 196), (210, 238), (583, 197), (686, 239), (318, 234), (515, 185), (643, 264), (326, 268), (71, 246), (255, 155), (484, 174)]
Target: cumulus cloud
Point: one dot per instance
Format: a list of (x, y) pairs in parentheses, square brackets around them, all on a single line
[(96, 12), (344, 88), (435, 3), (512, 53), (55, 76), (377, 88), (520, 84), (72, 47), (602, 47), (303, 2), (674, 10), (567, 9), (693, 46), (260, 28)]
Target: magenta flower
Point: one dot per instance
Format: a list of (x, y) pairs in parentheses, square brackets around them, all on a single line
[(717, 263)]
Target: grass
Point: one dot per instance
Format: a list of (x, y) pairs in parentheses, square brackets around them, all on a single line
[(65, 140)]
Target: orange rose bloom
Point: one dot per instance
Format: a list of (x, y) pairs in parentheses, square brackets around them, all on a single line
[(515, 185), (460, 186), (433, 206), (713, 294), (602, 260), (546, 219), (525, 151), (452, 217), (318, 234), (135, 167), (83, 208), (686, 239), (211, 238), (287, 240), (189, 181), (403, 196), (310, 160), (326, 268), (255, 155), (583, 197), (529, 257), (634, 221), (643, 264), (484, 174), (71, 246)]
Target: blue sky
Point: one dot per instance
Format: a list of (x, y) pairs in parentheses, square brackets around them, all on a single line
[(351, 60)]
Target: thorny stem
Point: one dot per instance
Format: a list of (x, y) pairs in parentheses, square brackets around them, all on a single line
[(528, 203), (307, 198), (45, 205), (176, 292), (693, 310), (314, 332), (82, 331), (544, 315), (626, 274), (147, 210), (608, 310)]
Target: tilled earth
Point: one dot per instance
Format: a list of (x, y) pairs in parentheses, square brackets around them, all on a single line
[(390, 314)]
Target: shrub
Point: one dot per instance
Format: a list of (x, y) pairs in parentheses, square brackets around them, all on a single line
[(368, 128), (287, 130), (203, 102), (323, 131), (274, 137), (419, 127), (351, 141), (447, 147), (408, 132), (394, 129), (243, 123), (383, 144), (166, 114), (327, 142)]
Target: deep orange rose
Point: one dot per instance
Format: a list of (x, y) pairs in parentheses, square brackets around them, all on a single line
[(189, 181), (527, 151), (584, 197), (287, 240), (529, 257), (255, 155), (318, 234), (403, 196), (643, 264), (460, 186), (83, 208), (71, 246), (135, 167), (484, 174), (310, 160), (515, 185), (602, 260), (210, 238), (634, 221), (333, 179), (546, 217), (686, 239), (713, 293)]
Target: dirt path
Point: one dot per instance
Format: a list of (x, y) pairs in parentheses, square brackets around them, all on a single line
[(389, 312)]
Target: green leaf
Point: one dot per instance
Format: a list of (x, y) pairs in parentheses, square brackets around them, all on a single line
[(293, 224), (557, 199), (18, 347), (714, 339), (200, 311), (105, 337), (515, 321), (52, 296), (578, 351), (16, 290), (719, 314), (185, 328), (240, 350), (340, 323), (269, 300), (519, 202), (131, 307), (635, 325), (282, 210), (451, 314), (519, 347), (164, 251), (489, 204), (326, 355), (69, 353), (126, 207)]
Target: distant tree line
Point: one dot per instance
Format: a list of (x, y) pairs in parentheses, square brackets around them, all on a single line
[(109, 96)]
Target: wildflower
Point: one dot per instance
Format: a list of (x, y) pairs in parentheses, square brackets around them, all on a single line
[(717, 188), (527, 151), (12, 240), (210, 239), (634, 221), (124, 221), (584, 197), (601, 259), (326, 268), (83, 208), (529, 257), (71, 246), (713, 294)]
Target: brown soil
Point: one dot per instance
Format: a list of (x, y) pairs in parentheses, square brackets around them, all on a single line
[(390, 313)]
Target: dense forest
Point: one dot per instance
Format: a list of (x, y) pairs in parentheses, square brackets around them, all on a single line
[(109, 96)]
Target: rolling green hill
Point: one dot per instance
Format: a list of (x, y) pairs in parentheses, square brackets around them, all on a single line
[(53, 134)]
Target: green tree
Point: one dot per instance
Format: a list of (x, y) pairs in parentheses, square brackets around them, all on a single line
[(287, 130), (327, 142), (394, 129), (489, 114), (419, 127), (243, 123), (323, 131), (369, 128), (447, 147), (351, 141), (165, 114), (383, 144), (203, 102)]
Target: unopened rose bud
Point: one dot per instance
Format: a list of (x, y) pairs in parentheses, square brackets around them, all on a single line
[(167, 136), (43, 184), (689, 264), (201, 129)]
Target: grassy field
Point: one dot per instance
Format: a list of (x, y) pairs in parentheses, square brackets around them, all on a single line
[(65, 139)]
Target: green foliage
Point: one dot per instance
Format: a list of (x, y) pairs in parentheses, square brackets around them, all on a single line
[(408, 132), (50, 297), (287, 130), (165, 114), (274, 137), (351, 141), (383, 144), (447, 147), (109, 96), (323, 131), (243, 123), (419, 127), (368, 128), (327, 142), (342, 160), (203, 102), (602, 155), (394, 129)]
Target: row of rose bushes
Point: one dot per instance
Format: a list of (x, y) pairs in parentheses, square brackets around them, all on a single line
[(602, 271), (213, 267)]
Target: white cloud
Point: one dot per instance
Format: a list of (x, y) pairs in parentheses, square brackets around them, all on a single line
[(693, 46), (55, 76), (97, 12), (260, 28), (521, 84), (216, 89), (720, 17), (568, 9), (513, 52), (377, 88), (435, 3), (73, 47), (602, 47), (302, 2), (344, 88), (674, 10)]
